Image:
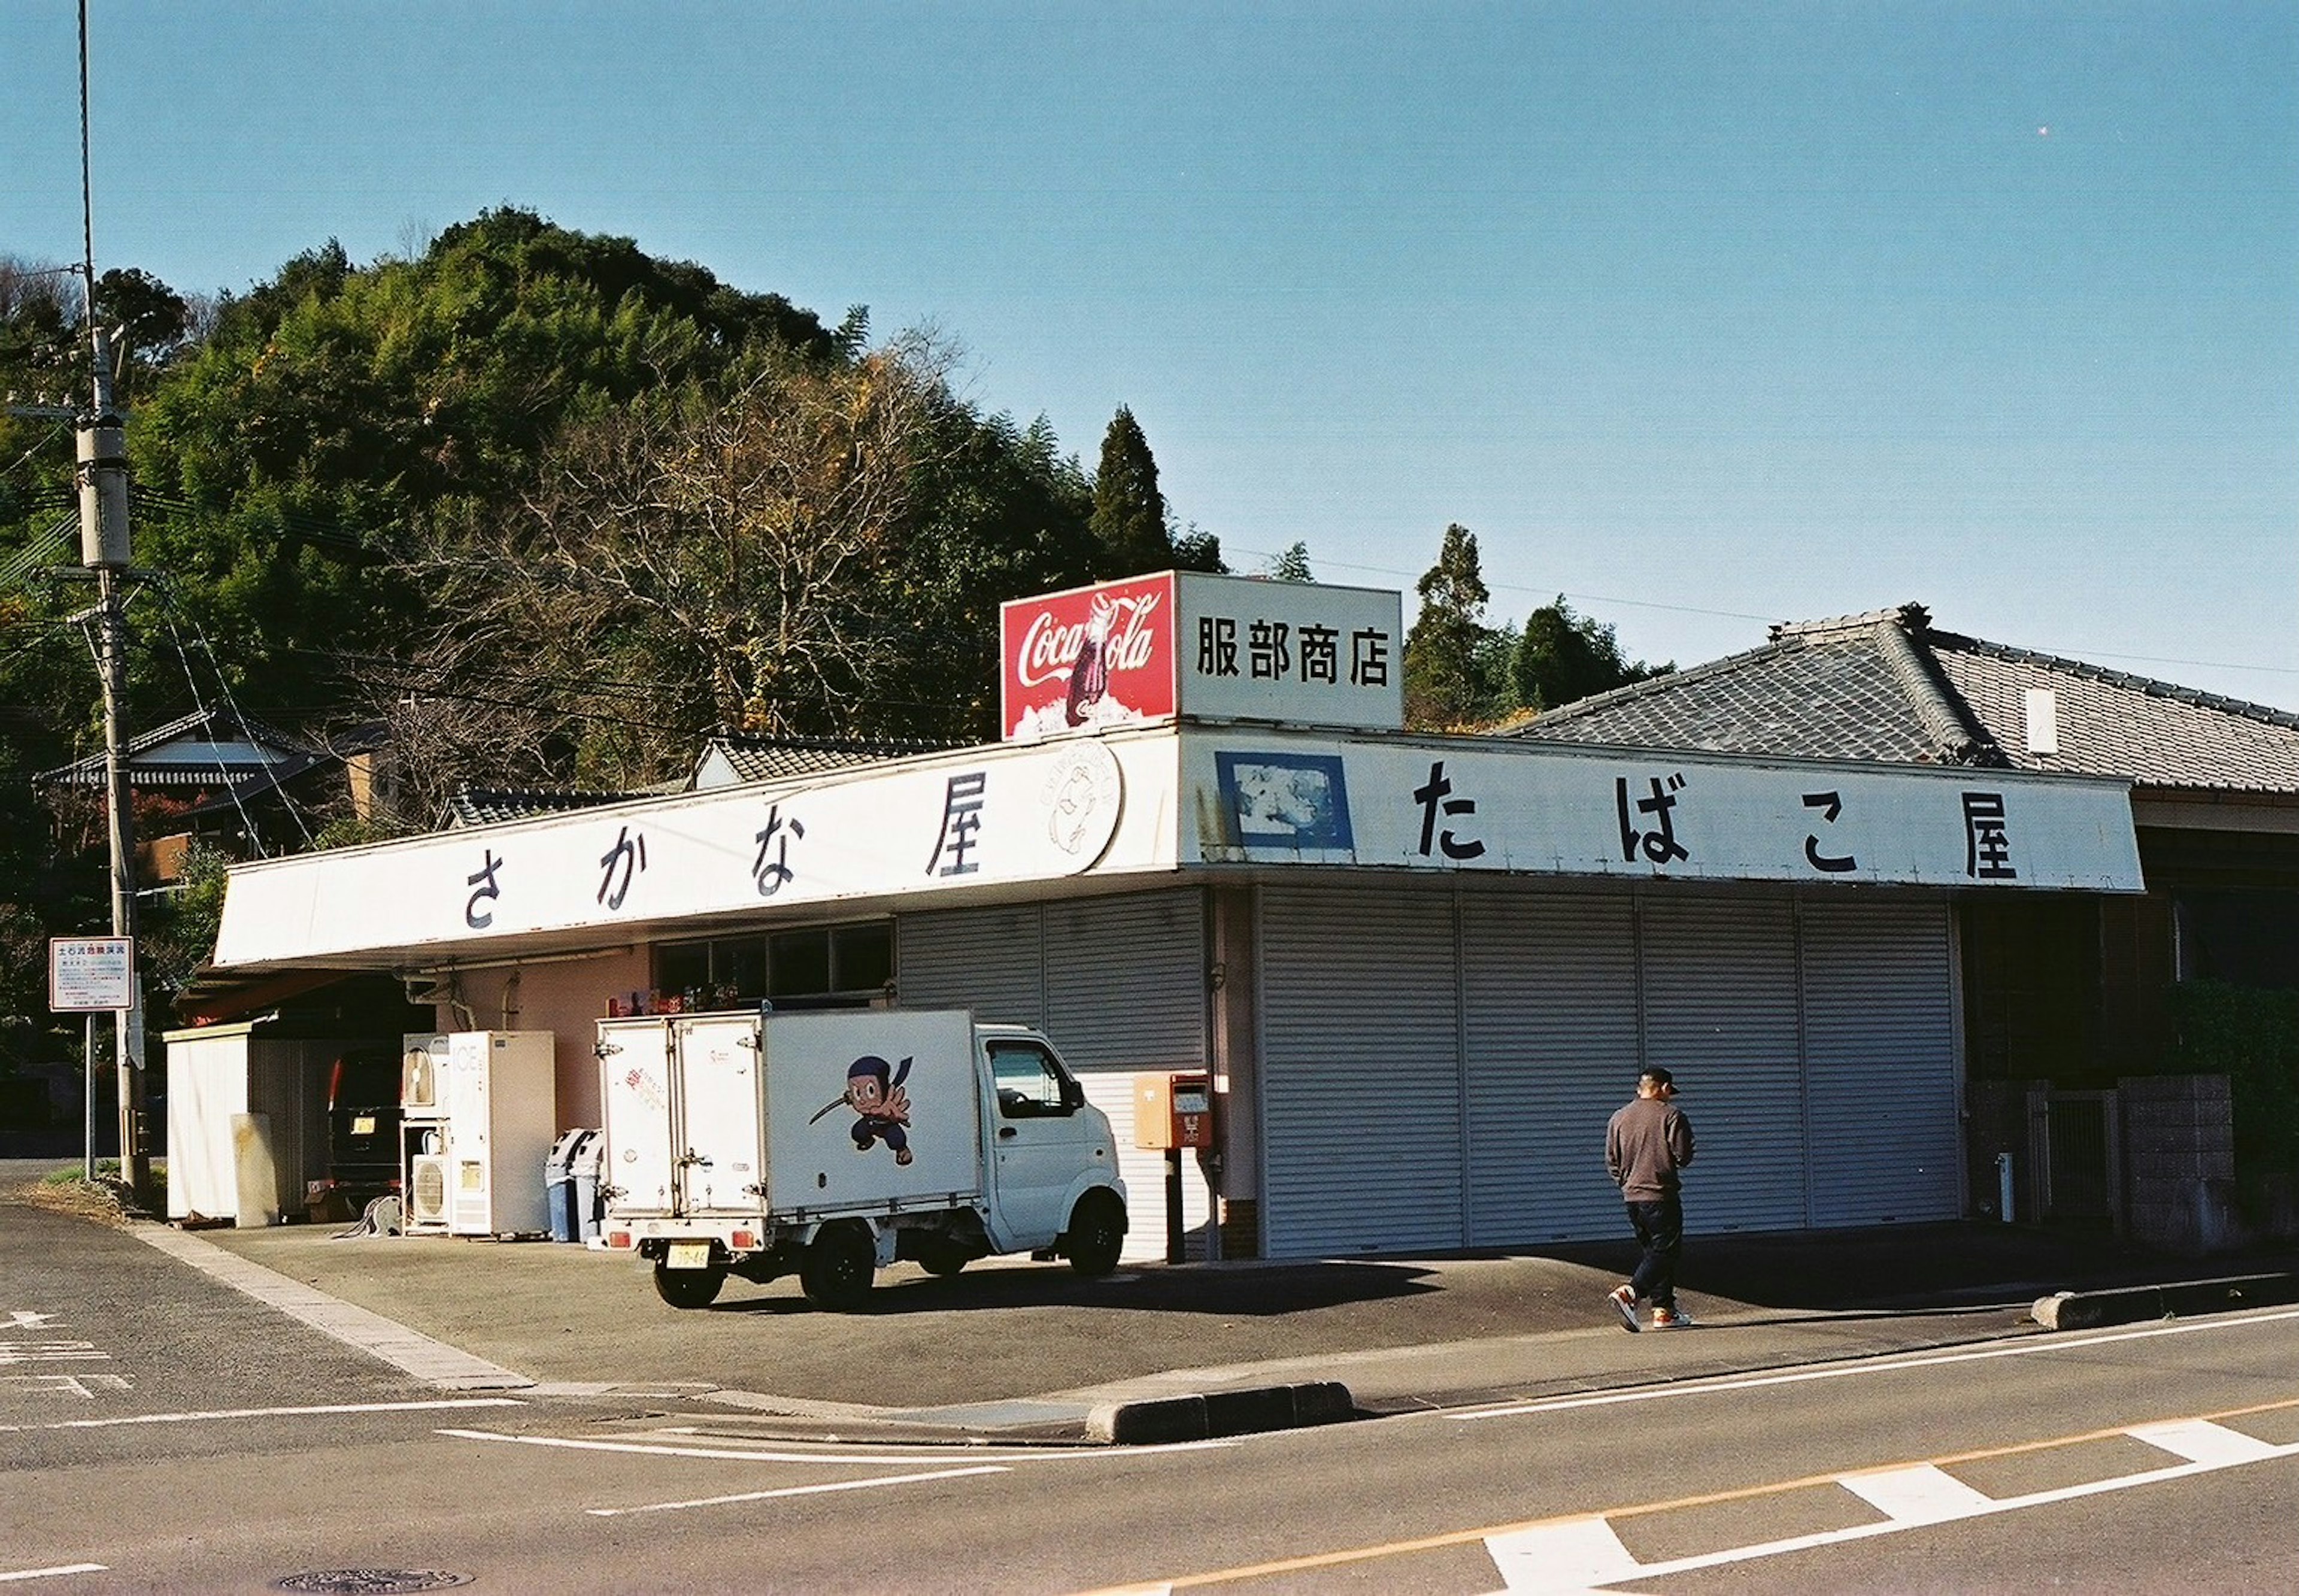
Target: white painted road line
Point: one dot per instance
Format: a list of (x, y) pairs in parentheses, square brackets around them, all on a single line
[(1016, 1458), (1919, 1495), (654, 1450), (1561, 1559), (1868, 1368), (1975, 1506), (2200, 1441), (225, 1413), (53, 1573), (717, 1501)]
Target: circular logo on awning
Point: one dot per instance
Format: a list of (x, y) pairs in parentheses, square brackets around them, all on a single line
[(1083, 792)]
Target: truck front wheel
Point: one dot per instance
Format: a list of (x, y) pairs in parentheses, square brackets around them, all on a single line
[(836, 1272), (689, 1288), (1097, 1233)]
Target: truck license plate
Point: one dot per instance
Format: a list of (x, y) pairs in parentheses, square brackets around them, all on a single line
[(687, 1255)]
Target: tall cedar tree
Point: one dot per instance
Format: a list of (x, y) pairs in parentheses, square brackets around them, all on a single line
[(1442, 684), (1129, 513), (1564, 657)]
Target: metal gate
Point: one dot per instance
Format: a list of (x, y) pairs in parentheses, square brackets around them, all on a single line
[(2075, 1143)]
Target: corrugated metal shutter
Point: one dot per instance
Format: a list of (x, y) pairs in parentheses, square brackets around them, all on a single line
[(1118, 983), (1361, 1073), (1879, 1044), (1720, 1010), (1126, 994), (1551, 987), (990, 961)]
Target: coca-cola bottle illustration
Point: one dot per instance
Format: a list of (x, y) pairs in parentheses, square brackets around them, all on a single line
[(1090, 670)]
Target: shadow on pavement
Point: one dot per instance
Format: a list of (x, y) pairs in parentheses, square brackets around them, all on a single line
[(1263, 1290), (1906, 1268)]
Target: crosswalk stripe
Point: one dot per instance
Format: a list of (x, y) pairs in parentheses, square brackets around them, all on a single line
[(1919, 1495), (1554, 1560), (2200, 1441)]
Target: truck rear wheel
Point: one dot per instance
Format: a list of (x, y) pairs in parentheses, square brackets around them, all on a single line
[(689, 1288), (839, 1264), (1097, 1233)]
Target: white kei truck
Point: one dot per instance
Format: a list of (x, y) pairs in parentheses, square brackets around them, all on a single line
[(831, 1143)]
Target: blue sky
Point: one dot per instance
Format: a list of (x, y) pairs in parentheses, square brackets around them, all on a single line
[(1702, 315)]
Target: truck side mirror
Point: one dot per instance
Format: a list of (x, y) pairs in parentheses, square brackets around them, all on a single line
[(1073, 1095)]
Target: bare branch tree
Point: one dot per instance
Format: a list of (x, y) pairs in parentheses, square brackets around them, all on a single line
[(691, 560)]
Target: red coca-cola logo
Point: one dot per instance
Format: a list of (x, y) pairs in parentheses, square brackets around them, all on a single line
[(1049, 648), (1096, 656)]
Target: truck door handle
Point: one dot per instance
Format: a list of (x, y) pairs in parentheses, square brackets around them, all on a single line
[(1005, 1131)]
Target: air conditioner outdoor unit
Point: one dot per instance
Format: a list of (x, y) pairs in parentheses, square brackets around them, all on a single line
[(422, 1091), (427, 1196)]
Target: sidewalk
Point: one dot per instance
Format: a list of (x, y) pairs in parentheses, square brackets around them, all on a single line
[(1020, 1351)]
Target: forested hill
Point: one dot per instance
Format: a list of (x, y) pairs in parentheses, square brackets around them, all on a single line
[(557, 505)]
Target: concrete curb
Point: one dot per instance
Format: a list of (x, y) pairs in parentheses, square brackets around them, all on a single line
[(2132, 1305), (1212, 1415), (450, 1368)]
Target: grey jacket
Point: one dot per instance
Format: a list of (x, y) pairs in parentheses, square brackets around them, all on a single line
[(1645, 1146)]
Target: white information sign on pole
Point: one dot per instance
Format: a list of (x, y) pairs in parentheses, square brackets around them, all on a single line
[(89, 975)]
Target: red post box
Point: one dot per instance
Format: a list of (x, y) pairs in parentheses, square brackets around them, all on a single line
[(1174, 1110)]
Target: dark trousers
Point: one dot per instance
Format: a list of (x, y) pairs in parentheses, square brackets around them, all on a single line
[(1660, 1231)]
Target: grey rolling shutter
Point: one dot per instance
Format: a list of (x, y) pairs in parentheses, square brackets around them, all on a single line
[(1879, 1038), (1118, 983), (990, 961), (1126, 994), (1720, 1010), (1361, 1083), (1550, 981)]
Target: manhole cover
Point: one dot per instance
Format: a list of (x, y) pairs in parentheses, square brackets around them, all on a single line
[(371, 1581)]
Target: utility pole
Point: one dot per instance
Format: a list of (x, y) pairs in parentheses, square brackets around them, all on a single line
[(103, 549)]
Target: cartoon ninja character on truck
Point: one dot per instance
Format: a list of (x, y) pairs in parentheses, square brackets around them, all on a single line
[(882, 1107)]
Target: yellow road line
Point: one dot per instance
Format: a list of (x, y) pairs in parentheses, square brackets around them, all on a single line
[(1450, 1538)]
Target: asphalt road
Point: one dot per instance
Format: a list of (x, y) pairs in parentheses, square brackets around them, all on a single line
[(215, 1448)]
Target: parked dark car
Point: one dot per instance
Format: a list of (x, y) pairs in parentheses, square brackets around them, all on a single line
[(363, 1119)]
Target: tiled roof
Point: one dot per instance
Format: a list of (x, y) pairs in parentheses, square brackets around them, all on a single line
[(753, 757), (1884, 686), (2111, 723), (489, 806), (206, 748)]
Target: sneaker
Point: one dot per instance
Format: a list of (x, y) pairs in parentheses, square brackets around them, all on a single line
[(1624, 1299), (1672, 1319)]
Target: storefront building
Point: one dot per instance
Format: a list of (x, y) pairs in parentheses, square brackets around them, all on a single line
[(1421, 970)]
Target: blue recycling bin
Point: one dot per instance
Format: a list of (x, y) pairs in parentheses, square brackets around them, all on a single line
[(570, 1180)]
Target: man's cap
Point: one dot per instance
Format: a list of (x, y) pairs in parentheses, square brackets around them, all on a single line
[(1656, 1076)]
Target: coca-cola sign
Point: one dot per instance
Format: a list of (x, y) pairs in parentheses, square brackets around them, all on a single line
[(1092, 657)]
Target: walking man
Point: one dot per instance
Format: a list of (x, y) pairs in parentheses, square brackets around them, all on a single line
[(1646, 1143)]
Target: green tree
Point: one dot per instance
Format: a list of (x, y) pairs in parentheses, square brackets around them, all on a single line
[(1564, 657), (1290, 564), (1442, 650), (1129, 513)]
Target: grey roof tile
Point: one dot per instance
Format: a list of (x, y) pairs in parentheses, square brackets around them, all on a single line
[(2111, 723), (1884, 686), (491, 806), (753, 757)]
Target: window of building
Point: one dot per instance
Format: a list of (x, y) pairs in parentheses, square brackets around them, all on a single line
[(817, 966)]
